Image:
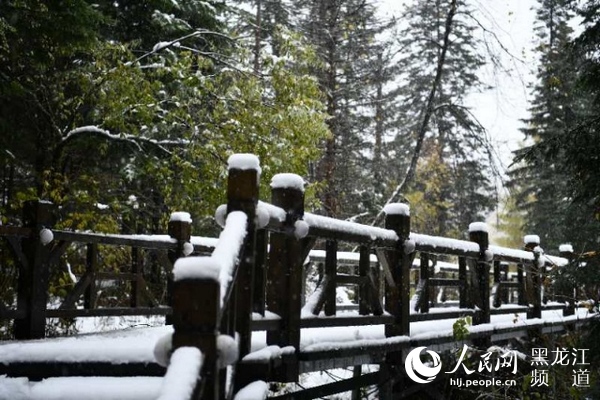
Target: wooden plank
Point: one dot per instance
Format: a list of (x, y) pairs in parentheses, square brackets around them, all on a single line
[(260, 273), (113, 239), (91, 266), (106, 312), (15, 231), (345, 280), (445, 282), (343, 320), (352, 237), (75, 293), (37, 371)]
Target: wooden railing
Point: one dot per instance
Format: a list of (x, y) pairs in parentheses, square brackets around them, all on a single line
[(253, 280)]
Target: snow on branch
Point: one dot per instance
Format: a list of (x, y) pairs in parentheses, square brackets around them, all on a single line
[(92, 130)]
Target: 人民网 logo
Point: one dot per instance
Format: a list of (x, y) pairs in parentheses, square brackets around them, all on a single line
[(419, 372)]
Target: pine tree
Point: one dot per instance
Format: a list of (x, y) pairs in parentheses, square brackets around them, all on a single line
[(345, 33), (433, 114), (541, 182)]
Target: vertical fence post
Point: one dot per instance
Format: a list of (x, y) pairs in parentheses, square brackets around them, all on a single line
[(180, 229), (196, 308), (397, 296), (481, 275), (242, 195), (463, 291), (32, 291), (91, 267), (285, 272), (424, 274), (260, 271), (533, 283), (331, 248), (568, 294), (364, 289), (397, 302)]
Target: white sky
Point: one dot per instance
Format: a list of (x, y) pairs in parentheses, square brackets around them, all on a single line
[(500, 109)]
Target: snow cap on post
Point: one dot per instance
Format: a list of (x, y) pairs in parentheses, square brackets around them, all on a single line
[(243, 161), (287, 181), (181, 216), (478, 227), (196, 268), (397, 209), (531, 240)]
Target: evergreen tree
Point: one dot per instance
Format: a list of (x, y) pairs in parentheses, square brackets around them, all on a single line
[(434, 87), (345, 33), (541, 182)]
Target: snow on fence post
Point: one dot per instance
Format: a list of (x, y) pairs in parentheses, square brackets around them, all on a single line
[(397, 293), (568, 295), (180, 229), (196, 305), (34, 274), (242, 195), (285, 274), (533, 281), (480, 275)]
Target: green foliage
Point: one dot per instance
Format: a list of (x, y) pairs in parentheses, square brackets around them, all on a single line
[(460, 328)]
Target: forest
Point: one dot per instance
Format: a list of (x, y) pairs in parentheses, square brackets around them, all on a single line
[(121, 112)]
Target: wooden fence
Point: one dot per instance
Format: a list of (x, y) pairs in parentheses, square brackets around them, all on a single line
[(253, 281)]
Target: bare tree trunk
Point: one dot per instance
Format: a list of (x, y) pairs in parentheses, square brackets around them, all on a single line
[(257, 36), (426, 112)]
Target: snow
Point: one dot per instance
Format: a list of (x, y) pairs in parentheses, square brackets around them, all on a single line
[(397, 209), (287, 181), (244, 161), (181, 377), (221, 264), (326, 223), (342, 256), (46, 236), (531, 239), (187, 249), (196, 268), (162, 349), (204, 241), (221, 214), (80, 388), (276, 213), (258, 390), (565, 248), (181, 216), (228, 349), (478, 227), (262, 216), (301, 229), (268, 353), (436, 241)]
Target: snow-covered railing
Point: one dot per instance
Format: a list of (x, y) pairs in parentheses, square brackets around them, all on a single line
[(181, 378), (212, 295)]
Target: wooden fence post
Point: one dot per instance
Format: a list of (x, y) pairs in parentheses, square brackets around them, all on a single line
[(397, 264), (533, 283), (397, 301), (463, 291), (196, 307), (481, 275), (34, 271), (242, 195), (285, 271), (569, 294), (180, 229), (331, 248)]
